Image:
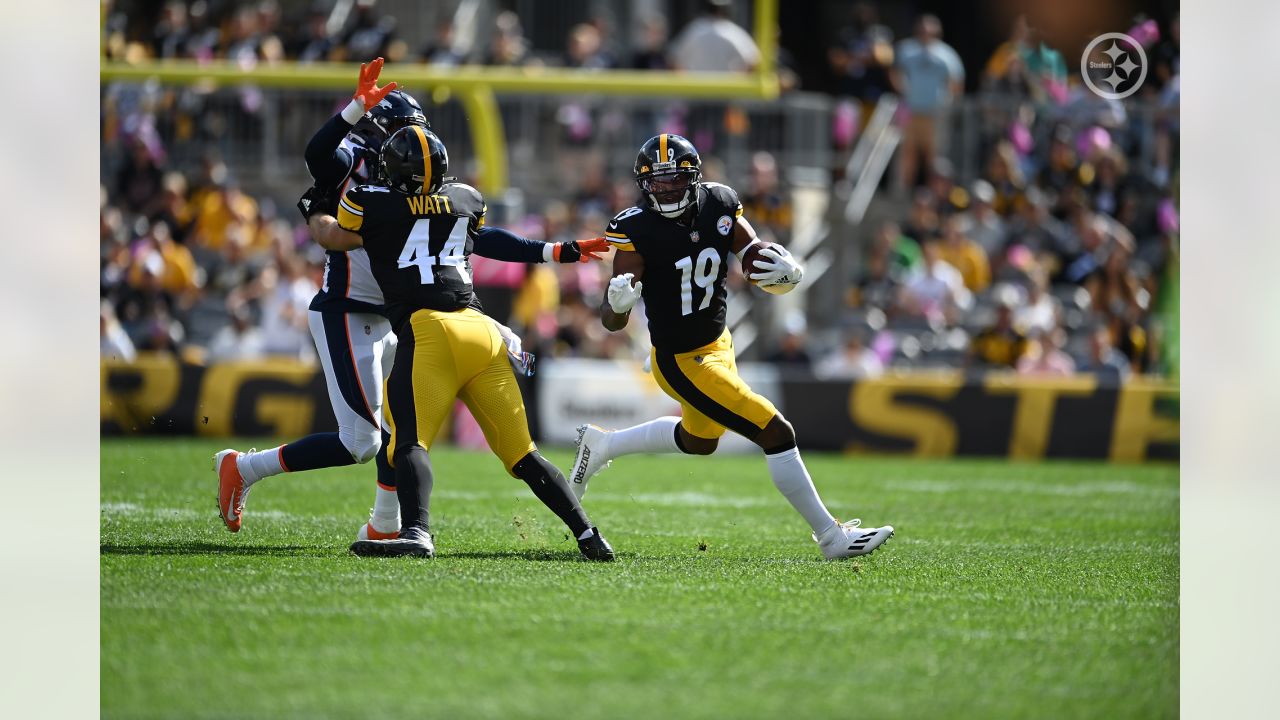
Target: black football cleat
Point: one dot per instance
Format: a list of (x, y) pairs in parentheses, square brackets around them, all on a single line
[(595, 547), (413, 542)]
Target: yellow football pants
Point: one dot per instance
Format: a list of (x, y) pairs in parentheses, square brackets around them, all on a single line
[(455, 355), (712, 396)]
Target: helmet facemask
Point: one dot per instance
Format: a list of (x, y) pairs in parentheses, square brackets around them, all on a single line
[(670, 192)]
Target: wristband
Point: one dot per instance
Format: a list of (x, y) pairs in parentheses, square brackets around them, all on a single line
[(550, 252), (353, 112)]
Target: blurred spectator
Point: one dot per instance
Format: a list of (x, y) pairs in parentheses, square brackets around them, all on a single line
[(219, 209), (585, 50), (1165, 57), (1041, 311), (285, 292), (1104, 360), (928, 74), (924, 222), (714, 43), (960, 252), (1044, 355), (316, 44), (765, 204), (861, 59), (936, 291), (250, 40), (139, 180), (791, 350), (115, 343), (508, 47), (369, 35), (171, 31), (173, 265), (651, 44), (1001, 344), (876, 286), (1004, 172), (443, 50), (852, 360), (984, 225), (901, 251), (238, 340), (1024, 65)]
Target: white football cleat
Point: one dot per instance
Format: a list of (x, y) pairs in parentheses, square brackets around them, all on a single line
[(592, 457), (849, 539)]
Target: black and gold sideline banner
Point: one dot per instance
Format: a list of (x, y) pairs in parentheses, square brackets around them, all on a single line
[(945, 414), (927, 415)]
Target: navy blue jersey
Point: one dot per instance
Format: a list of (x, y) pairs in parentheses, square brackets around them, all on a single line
[(349, 285)]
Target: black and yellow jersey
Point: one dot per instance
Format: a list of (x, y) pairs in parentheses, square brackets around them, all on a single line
[(418, 245), (685, 265)]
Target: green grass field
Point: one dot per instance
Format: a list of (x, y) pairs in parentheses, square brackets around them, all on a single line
[(1010, 591)]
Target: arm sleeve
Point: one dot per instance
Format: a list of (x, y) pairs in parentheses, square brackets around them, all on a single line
[(327, 161), (498, 244)]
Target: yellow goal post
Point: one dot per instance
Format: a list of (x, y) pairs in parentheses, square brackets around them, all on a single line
[(477, 86)]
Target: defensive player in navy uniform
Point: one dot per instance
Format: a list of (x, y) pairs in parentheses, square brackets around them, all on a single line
[(673, 252), (419, 232), (353, 338)]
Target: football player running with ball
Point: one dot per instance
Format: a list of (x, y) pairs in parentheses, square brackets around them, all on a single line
[(352, 336), (419, 232), (674, 253)]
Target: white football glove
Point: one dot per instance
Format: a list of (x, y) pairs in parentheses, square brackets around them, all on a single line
[(622, 294), (778, 267)]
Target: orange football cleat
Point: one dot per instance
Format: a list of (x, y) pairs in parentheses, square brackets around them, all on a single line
[(231, 489)]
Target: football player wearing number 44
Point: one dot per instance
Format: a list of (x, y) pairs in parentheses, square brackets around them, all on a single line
[(673, 252)]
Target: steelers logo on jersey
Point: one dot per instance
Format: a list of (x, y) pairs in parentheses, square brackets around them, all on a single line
[(724, 224)]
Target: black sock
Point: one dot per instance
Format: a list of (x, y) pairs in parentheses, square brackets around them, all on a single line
[(321, 450), (413, 486), (679, 442), (548, 483), (386, 473)]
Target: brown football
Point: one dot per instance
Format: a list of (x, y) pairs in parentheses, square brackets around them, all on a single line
[(749, 266)]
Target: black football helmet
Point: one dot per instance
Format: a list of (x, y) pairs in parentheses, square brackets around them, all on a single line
[(398, 109), (668, 172), (413, 161)]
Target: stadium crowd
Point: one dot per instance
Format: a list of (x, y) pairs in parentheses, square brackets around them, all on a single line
[(1054, 260)]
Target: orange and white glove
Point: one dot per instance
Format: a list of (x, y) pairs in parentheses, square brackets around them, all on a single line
[(576, 251), (367, 92)]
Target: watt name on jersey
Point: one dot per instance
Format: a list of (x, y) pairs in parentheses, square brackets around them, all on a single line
[(418, 246)]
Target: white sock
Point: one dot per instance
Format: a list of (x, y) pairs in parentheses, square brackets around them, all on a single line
[(386, 511), (793, 481), (254, 466), (655, 436)]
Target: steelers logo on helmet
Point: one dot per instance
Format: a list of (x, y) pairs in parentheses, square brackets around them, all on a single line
[(668, 171)]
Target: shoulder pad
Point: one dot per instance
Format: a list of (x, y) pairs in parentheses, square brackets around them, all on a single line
[(725, 195), (463, 188)]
